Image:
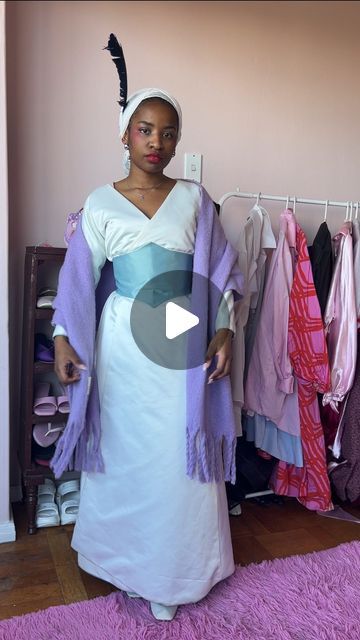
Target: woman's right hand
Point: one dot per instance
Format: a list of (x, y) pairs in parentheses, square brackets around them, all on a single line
[(67, 361)]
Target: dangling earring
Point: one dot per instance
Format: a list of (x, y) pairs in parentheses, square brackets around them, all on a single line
[(126, 159)]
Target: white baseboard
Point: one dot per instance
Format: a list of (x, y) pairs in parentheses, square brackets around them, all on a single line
[(7, 531), (16, 494)]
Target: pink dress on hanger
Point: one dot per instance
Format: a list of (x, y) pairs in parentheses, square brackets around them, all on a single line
[(309, 359), (341, 319)]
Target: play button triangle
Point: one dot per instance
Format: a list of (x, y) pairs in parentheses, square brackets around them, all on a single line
[(178, 320)]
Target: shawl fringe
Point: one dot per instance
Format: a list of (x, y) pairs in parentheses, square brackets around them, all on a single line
[(211, 459), (82, 452)]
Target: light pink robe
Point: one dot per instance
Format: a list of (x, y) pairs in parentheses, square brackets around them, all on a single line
[(270, 389)]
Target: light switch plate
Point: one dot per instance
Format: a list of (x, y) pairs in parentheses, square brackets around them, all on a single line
[(193, 166)]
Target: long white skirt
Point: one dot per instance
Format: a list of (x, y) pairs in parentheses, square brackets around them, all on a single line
[(144, 525)]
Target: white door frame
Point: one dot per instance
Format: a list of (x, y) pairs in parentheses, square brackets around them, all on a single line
[(7, 528)]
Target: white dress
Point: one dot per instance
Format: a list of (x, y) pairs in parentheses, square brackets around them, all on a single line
[(144, 525)]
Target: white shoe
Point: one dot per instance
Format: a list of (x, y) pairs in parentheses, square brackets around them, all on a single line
[(132, 594), (68, 500), (47, 512), (162, 612)]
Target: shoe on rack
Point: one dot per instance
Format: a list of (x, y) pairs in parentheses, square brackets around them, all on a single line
[(45, 298), (44, 348), (44, 404), (46, 433), (63, 402), (47, 513), (68, 499), (163, 612)]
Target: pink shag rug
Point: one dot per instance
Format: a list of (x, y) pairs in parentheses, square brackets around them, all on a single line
[(310, 597)]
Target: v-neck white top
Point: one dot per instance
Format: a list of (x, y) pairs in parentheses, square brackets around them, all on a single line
[(113, 226)]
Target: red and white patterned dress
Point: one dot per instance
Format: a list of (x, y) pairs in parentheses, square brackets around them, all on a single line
[(309, 358)]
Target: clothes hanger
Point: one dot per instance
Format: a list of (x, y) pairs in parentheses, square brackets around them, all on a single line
[(326, 210), (347, 211)]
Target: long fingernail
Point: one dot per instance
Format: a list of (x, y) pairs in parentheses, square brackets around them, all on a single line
[(82, 367), (210, 381)]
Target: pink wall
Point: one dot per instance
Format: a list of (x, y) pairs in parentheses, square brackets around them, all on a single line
[(269, 91)]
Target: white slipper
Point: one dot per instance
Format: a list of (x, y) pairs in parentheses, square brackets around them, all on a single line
[(47, 513), (46, 298), (132, 594), (68, 499), (162, 612), (45, 302)]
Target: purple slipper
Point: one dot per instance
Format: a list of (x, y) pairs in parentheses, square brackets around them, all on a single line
[(44, 348), (46, 434), (44, 404)]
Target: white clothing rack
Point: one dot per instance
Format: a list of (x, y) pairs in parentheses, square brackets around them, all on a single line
[(236, 510), (349, 205), (263, 196), (256, 494)]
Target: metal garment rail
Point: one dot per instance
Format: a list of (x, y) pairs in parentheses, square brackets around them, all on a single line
[(349, 205)]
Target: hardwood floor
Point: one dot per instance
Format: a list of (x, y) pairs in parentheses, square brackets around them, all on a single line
[(40, 571)]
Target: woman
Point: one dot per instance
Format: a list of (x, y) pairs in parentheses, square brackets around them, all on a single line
[(149, 522)]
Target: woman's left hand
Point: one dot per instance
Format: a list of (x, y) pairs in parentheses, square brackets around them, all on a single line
[(220, 346)]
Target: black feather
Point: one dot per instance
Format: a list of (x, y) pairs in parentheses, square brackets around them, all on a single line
[(117, 55)]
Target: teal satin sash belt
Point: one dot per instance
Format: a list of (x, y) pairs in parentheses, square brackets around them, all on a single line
[(153, 274)]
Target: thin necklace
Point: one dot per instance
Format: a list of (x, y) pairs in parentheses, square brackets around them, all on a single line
[(141, 195)]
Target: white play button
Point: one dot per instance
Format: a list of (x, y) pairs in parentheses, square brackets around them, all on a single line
[(166, 318), (178, 320)]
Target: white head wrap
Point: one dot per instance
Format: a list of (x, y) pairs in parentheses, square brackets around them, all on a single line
[(131, 106)]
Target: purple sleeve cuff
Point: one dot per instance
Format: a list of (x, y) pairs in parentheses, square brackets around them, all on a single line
[(286, 385)]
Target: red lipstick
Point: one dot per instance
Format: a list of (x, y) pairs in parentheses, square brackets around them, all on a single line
[(153, 158)]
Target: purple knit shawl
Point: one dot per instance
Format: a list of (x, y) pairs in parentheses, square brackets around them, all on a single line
[(210, 425)]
